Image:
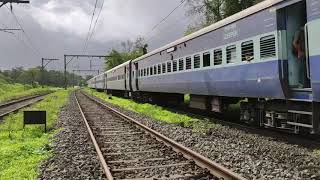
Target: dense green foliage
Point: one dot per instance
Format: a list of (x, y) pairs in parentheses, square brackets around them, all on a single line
[(13, 91), (157, 112), (33, 77), (21, 150), (130, 50), (211, 11)]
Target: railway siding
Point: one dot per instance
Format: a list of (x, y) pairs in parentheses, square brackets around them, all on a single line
[(22, 150)]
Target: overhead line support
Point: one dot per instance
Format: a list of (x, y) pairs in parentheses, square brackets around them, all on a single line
[(66, 62), (43, 60)]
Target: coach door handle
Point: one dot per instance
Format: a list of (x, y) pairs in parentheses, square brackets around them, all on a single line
[(306, 39)]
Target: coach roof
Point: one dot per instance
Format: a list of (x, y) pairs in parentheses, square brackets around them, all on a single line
[(247, 12)]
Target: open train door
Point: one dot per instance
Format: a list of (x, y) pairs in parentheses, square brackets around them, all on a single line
[(125, 78), (136, 79), (312, 32)]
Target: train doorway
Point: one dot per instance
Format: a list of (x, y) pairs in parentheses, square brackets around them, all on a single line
[(295, 18)]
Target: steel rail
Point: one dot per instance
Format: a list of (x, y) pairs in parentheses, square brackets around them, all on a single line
[(214, 168), (17, 100), (20, 101), (103, 163)]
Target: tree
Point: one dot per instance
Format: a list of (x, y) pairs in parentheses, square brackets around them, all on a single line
[(33, 77), (211, 11), (130, 50)]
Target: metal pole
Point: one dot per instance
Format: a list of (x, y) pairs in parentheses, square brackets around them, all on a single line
[(42, 80), (73, 79), (65, 72)]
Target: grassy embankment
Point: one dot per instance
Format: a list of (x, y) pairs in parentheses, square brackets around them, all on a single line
[(22, 150), (158, 113), (14, 91)]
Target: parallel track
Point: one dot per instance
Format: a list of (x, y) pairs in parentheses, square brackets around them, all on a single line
[(15, 105), (128, 149)]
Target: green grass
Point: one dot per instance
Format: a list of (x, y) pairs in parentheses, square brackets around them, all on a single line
[(158, 113), (14, 91), (22, 150), (317, 152)]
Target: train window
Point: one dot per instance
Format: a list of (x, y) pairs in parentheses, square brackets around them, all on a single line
[(159, 69), (206, 59), (181, 64), (147, 71), (168, 67), (144, 72), (268, 46), (155, 70), (217, 56), (163, 67), (247, 53), (188, 63), (231, 54), (151, 71), (196, 61), (174, 66)]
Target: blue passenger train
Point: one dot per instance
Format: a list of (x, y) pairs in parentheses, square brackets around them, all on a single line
[(266, 57)]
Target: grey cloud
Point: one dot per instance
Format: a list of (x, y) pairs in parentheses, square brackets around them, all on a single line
[(62, 32)]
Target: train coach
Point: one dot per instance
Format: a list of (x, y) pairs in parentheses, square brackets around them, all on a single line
[(267, 57)]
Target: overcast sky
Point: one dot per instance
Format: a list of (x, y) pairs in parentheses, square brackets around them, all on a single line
[(58, 27)]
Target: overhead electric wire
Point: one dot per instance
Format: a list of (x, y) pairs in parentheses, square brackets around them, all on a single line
[(96, 21), (88, 34), (24, 32), (165, 18), (22, 41)]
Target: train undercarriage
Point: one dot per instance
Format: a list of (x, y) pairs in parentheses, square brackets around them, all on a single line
[(295, 116)]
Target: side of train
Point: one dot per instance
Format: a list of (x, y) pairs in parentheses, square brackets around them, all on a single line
[(245, 58)]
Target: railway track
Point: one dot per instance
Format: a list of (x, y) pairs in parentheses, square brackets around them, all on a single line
[(129, 150), (12, 106)]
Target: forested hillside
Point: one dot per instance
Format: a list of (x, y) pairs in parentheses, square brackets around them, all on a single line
[(33, 77)]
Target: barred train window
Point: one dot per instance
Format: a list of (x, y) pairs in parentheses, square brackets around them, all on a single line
[(231, 54), (155, 70), (151, 71), (181, 64), (159, 69), (163, 67), (188, 63), (217, 57), (247, 53), (174, 66), (268, 46), (168, 67), (196, 61), (206, 59)]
